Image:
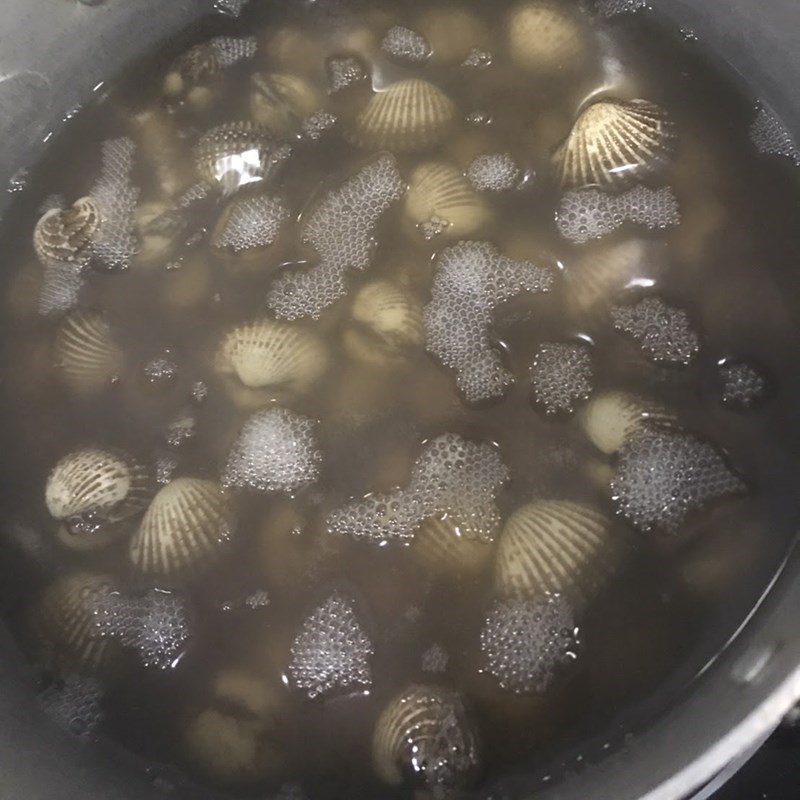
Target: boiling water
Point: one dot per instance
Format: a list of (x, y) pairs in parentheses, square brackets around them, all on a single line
[(486, 460)]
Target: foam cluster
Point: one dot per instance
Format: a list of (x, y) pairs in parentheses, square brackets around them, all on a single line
[(340, 230), (772, 137), (74, 704), (613, 8), (664, 475), (332, 650), (231, 8), (182, 428), (525, 642), (317, 124), (434, 659), (743, 386), (62, 282), (561, 375), (478, 59), (276, 451), (586, 214), (406, 45), (451, 476), (344, 72), (497, 172), (471, 279), (230, 50), (114, 243), (664, 333), (252, 222)]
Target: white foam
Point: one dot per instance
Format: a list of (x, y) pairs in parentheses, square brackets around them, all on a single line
[(231, 50), (404, 44), (253, 222), (561, 374), (772, 137), (317, 124), (344, 72), (743, 385), (613, 8), (62, 282), (434, 659), (497, 172), (231, 8), (74, 704)]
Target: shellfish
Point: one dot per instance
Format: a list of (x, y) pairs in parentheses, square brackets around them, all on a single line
[(85, 352), (440, 546), (282, 101), (63, 234)]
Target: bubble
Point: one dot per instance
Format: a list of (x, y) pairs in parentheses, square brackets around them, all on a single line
[(497, 172), (434, 659), (612, 8), (199, 392), (62, 282), (664, 475), (344, 72), (478, 59), (114, 244), (406, 45), (316, 125), (340, 229), (451, 476), (74, 704), (276, 451), (231, 8), (743, 385), (230, 50), (289, 791), (561, 374), (772, 137), (160, 371), (471, 279), (254, 601), (664, 333), (332, 651), (586, 214), (182, 429), (166, 465), (525, 642), (252, 222)]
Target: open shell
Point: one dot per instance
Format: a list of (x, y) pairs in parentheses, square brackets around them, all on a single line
[(409, 115), (545, 39), (85, 352), (281, 101), (442, 203), (554, 547), (615, 143), (277, 355), (440, 546), (186, 524), (426, 734), (611, 418), (64, 234)]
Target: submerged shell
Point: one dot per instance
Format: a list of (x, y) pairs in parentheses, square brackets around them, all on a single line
[(555, 547), (85, 351), (63, 234), (65, 622), (268, 354), (186, 524), (441, 547), (426, 736), (615, 143), (611, 418), (441, 202), (281, 101), (544, 38), (409, 115)]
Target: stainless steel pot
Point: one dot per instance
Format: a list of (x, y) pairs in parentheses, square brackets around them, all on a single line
[(53, 55)]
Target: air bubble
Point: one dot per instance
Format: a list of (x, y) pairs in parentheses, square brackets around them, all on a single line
[(74, 704), (434, 659), (316, 125), (406, 45), (743, 385), (344, 72), (772, 137), (561, 375), (497, 172), (612, 8)]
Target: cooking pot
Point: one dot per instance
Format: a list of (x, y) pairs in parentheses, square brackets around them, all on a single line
[(54, 54)]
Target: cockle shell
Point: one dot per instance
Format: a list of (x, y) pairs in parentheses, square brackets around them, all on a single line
[(269, 354), (85, 352), (440, 546), (186, 524), (611, 418), (409, 115), (615, 143), (544, 38), (282, 101), (554, 547), (62, 234), (426, 735), (442, 203)]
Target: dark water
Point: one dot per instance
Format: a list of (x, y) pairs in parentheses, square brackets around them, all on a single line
[(678, 598)]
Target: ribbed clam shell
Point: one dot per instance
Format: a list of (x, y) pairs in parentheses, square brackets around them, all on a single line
[(95, 481), (85, 351), (556, 547), (410, 115), (185, 525), (611, 418), (272, 354), (281, 101), (440, 194), (615, 143), (544, 38), (65, 623), (63, 234), (440, 547), (426, 735)]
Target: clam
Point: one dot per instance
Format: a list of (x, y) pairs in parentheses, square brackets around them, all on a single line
[(63, 234), (615, 143), (544, 38), (554, 547), (426, 735), (187, 523), (440, 546), (92, 492), (276, 355), (442, 203), (282, 101), (85, 352), (611, 418), (452, 33), (409, 115), (65, 621)]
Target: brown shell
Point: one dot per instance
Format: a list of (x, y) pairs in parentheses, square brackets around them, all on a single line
[(62, 234), (85, 352), (546, 39), (282, 101)]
